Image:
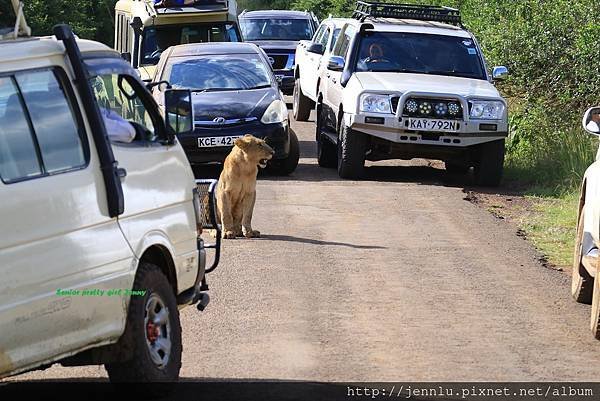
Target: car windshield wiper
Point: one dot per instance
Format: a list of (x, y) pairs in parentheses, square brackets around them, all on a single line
[(214, 90), (405, 70), (451, 73), (260, 86)]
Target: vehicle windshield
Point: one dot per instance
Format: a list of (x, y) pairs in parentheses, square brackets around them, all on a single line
[(156, 39), (218, 72), (420, 54), (276, 29)]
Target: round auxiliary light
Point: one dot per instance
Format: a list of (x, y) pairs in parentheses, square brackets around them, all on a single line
[(425, 108), (441, 109), (453, 108), (411, 106)]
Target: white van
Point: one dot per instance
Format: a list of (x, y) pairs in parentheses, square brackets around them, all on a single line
[(143, 30), (100, 243)]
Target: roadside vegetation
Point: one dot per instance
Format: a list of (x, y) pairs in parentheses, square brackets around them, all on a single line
[(552, 50)]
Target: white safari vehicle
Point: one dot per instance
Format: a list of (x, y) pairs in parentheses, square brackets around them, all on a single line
[(585, 286), (100, 243), (407, 81), (143, 30), (311, 60)]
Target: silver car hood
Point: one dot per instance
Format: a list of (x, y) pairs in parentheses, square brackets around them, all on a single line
[(402, 82)]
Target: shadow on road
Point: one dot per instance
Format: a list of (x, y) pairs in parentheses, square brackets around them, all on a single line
[(195, 390), (288, 238)]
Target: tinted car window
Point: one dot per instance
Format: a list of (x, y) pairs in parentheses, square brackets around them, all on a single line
[(18, 157), (159, 38), (218, 72), (276, 29), (53, 121), (39, 131), (419, 53)]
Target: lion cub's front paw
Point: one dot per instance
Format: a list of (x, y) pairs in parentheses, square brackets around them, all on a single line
[(252, 234), (228, 234)]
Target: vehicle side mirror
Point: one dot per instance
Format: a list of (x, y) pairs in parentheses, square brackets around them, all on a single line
[(151, 85), (126, 57), (336, 63), (499, 72), (179, 112), (316, 48), (591, 121)]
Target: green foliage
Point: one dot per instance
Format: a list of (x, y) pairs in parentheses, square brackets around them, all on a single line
[(90, 19)]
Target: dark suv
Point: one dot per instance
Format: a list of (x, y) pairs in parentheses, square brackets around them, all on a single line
[(278, 33)]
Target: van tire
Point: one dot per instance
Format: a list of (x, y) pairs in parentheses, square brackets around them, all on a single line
[(352, 146), (490, 165), (141, 368), (301, 105)]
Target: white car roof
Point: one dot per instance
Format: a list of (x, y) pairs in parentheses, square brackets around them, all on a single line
[(40, 47), (337, 22), (414, 26)]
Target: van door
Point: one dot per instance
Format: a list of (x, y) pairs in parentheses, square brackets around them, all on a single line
[(159, 185), (57, 241)]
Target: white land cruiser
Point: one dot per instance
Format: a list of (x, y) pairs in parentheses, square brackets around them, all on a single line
[(405, 82), (96, 256)]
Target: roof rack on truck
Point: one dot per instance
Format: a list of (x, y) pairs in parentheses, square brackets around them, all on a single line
[(20, 28), (367, 9), (166, 7)]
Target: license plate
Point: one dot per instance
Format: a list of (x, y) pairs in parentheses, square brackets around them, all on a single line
[(216, 141), (427, 124)]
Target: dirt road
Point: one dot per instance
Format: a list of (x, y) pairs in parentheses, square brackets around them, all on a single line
[(392, 278)]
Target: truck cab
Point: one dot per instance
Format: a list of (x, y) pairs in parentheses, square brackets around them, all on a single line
[(144, 30)]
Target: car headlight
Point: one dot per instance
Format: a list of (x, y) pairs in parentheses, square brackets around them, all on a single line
[(375, 103), (277, 112), (486, 109)]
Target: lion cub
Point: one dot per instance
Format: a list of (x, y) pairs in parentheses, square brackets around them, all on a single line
[(236, 191)]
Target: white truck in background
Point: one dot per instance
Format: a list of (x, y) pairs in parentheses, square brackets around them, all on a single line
[(311, 57)]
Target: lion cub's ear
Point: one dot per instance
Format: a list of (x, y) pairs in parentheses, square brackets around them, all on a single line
[(243, 142)]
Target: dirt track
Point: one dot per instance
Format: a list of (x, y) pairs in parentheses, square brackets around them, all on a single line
[(392, 278)]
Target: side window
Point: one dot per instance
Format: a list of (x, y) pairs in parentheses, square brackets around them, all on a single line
[(317, 37), (341, 48), (39, 130), (18, 155), (323, 40), (119, 101), (336, 33)]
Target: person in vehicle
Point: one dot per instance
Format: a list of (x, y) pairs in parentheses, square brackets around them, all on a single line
[(594, 124)]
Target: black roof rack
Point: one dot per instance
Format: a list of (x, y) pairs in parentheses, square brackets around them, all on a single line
[(366, 9)]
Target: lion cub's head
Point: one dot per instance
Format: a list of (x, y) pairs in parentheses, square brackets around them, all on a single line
[(256, 150)]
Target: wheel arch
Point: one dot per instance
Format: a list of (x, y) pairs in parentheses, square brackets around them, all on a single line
[(159, 255)]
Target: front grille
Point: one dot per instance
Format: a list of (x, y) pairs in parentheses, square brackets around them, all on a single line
[(280, 61), (447, 109)]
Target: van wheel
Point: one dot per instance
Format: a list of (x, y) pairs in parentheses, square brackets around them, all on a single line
[(152, 335), (288, 165), (351, 147), (488, 170), (301, 105), (582, 284)]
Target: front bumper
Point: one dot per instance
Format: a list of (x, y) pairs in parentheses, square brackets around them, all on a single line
[(276, 135), (394, 129)]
